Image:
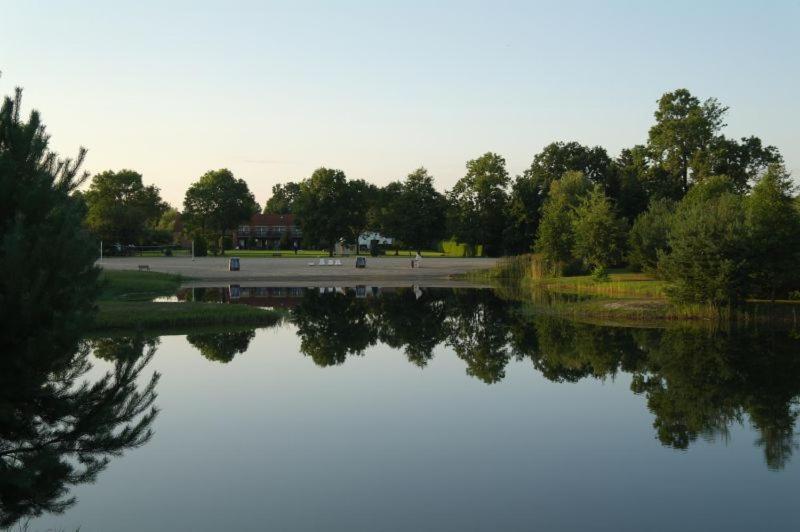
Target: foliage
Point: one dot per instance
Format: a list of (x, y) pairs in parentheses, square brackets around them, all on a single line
[(648, 236), (121, 209), (451, 248), (478, 201), (49, 279), (773, 227), (324, 208), (62, 422), (599, 235), (684, 129), (522, 214), (221, 346), (218, 202), (413, 211), (558, 158), (555, 238), (640, 180), (707, 261), (282, 199)]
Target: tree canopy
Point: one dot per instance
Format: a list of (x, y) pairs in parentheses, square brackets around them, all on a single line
[(218, 202), (478, 202), (120, 209)]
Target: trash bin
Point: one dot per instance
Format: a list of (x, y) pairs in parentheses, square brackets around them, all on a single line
[(233, 264), (361, 262)]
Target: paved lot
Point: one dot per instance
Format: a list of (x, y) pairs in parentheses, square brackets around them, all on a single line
[(296, 271)]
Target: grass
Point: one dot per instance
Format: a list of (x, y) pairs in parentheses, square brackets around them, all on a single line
[(137, 286), (148, 315), (126, 303), (620, 284)]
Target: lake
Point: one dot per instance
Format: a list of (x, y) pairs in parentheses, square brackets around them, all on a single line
[(413, 409)]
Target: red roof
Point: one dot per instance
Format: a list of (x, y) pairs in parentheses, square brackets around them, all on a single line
[(272, 219)]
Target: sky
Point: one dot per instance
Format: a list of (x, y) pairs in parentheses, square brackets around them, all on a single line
[(273, 91)]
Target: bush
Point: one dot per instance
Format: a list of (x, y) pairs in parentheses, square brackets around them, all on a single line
[(707, 262), (167, 252), (451, 248)]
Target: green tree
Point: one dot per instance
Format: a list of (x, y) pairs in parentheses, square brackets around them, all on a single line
[(477, 203), (361, 197), (558, 158), (49, 280), (707, 261), (523, 214), (324, 208), (743, 162), (774, 232), (121, 209), (555, 237), (282, 199), (648, 236), (414, 211), (684, 130), (599, 240), (217, 203), (640, 181)]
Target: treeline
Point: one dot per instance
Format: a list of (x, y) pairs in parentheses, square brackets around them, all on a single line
[(716, 215)]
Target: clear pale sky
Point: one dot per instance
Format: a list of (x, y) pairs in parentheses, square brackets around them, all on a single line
[(274, 90)]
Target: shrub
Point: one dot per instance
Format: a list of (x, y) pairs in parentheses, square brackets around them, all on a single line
[(707, 261)]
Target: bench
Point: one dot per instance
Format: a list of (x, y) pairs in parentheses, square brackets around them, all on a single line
[(144, 267)]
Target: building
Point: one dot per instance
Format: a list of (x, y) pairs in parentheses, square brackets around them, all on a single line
[(365, 240), (267, 231)]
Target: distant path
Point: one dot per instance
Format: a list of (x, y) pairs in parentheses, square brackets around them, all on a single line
[(297, 272)]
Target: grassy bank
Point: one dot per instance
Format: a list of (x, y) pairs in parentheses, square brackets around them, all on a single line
[(624, 297), (126, 302)]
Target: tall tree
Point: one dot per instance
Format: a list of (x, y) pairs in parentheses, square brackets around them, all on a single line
[(47, 258), (324, 208), (282, 199), (685, 127), (218, 202), (774, 232), (416, 214), (477, 203), (121, 209)]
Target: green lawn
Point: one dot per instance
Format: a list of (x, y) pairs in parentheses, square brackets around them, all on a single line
[(126, 303), (137, 286), (621, 284)]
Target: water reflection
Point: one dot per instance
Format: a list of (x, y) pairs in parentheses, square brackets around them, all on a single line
[(59, 428), (697, 382)]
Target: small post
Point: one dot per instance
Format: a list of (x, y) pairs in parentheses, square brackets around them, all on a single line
[(101, 251), (193, 256)]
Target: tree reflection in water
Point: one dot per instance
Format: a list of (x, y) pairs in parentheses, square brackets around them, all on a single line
[(222, 346), (58, 429), (697, 382)]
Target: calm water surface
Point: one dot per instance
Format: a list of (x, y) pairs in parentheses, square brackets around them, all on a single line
[(414, 409)]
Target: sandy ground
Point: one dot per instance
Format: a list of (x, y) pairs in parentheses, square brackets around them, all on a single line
[(389, 271)]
